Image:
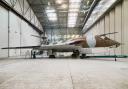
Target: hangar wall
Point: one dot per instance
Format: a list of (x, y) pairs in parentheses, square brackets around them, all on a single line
[(14, 31), (3, 30), (114, 21), (23, 7)]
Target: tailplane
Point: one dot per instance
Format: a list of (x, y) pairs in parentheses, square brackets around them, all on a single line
[(108, 34)]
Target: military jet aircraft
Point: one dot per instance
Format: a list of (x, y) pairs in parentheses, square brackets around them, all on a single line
[(73, 45)]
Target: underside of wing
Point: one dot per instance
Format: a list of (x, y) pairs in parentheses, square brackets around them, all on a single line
[(60, 48)]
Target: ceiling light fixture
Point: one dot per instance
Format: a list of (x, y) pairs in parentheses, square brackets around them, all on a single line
[(68, 36), (73, 10), (51, 13), (72, 21), (59, 1), (64, 6), (73, 36), (49, 4), (74, 6), (73, 14), (77, 36), (74, 1), (88, 2)]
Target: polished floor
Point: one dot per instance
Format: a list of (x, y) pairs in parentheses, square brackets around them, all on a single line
[(63, 74)]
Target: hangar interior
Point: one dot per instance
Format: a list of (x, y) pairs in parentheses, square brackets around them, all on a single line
[(22, 18), (31, 23)]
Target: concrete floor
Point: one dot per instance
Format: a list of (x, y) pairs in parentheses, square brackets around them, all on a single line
[(63, 74)]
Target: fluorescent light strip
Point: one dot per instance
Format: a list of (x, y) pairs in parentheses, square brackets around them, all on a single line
[(73, 12), (74, 1), (72, 21), (51, 13)]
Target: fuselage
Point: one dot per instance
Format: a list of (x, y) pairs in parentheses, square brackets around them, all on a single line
[(94, 41)]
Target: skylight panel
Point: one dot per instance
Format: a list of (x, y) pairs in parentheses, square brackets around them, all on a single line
[(59, 1), (73, 10), (73, 14), (102, 6), (51, 13), (74, 6), (74, 1)]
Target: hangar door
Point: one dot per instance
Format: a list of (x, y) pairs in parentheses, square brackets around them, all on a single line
[(14, 34), (3, 32)]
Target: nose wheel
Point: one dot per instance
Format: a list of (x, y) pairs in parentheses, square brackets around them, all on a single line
[(52, 56)]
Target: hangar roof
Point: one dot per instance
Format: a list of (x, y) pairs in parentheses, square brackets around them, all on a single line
[(99, 10), (61, 19)]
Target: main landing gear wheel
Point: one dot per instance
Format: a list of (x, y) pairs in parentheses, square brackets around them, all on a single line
[(83, 56), (75, 54), (52, 56)]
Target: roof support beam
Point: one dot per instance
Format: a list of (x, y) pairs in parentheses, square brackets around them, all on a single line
[(95, 2)]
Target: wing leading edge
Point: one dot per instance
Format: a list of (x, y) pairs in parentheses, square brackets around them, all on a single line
[(69, 45), (24, 47)]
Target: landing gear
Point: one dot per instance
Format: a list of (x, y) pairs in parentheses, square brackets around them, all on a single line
[(115, 58), (52, 56), (83, 56), (33, 54), (75, 54)]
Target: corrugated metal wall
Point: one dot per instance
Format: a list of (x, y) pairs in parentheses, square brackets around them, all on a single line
[(3, 31), (15, 32), (26, 38), (23, 7), (115, 21)]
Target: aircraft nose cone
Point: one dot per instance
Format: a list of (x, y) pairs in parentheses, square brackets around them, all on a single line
[(117, 44)]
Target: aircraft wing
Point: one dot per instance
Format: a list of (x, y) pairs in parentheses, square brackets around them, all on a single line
[(58, 48), (68, 46), (24, 47)]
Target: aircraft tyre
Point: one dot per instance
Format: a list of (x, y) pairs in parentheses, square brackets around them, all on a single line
[(75, 54), (83, 56), (52, 56)]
